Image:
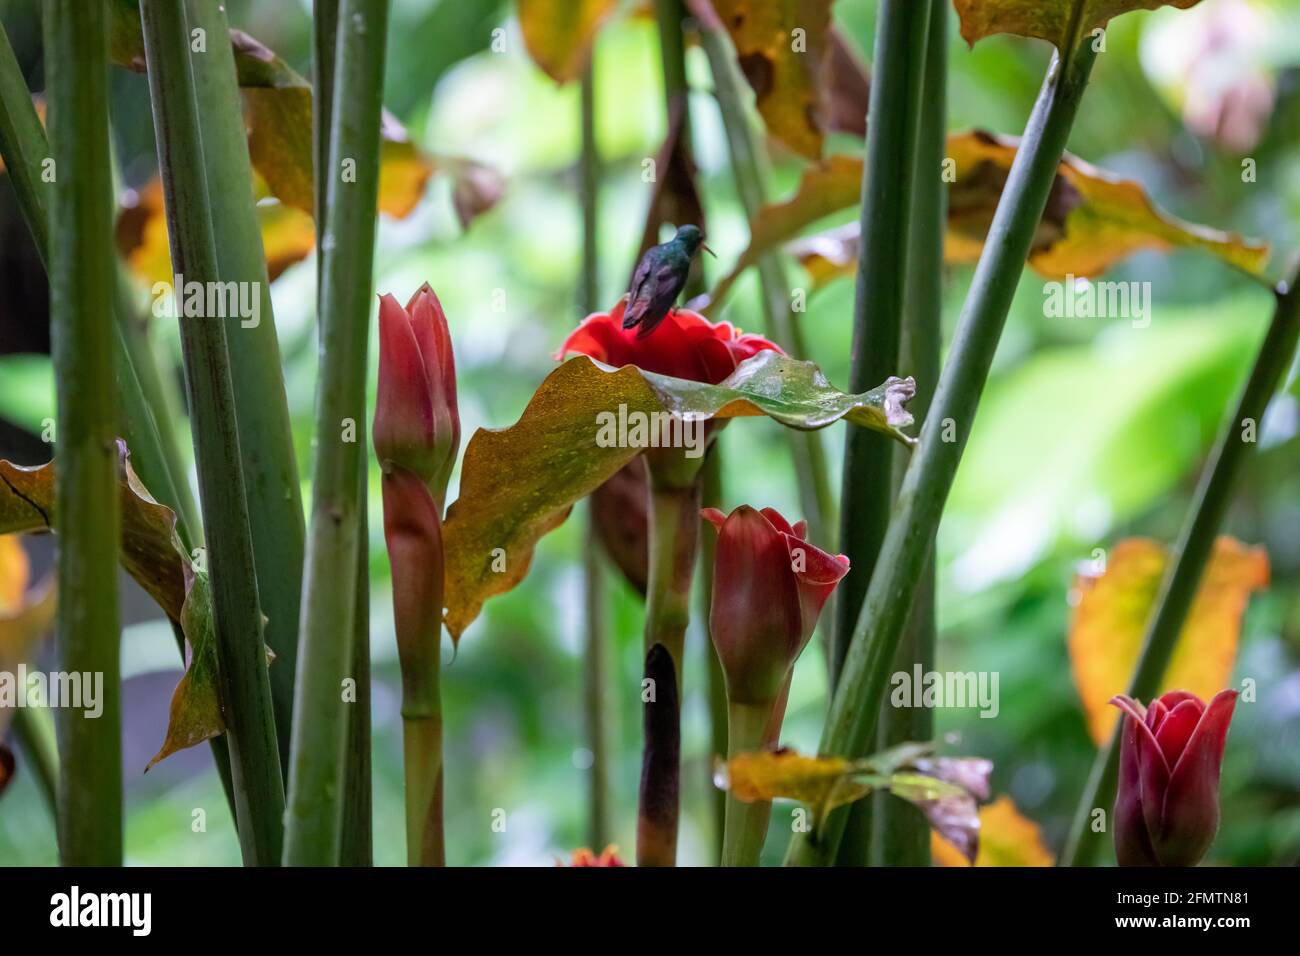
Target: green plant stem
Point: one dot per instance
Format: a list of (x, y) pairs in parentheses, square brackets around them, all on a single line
[(36, 733), (746, 827), (358, 826), (86, 496), (270, 470), (899, 833), (593, 689), (147, 428), (241, 651), (806, 448), (888, 181), (318, 771), (1195, 544), (422, 759), (855, 707), (674, 533), (711, 480)]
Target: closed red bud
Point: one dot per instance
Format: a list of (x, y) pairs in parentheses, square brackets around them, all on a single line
[(1167, 805), (769, 588), (417, 423)]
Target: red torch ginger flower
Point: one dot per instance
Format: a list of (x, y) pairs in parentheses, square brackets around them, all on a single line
[(684, 345), (1167, 804), (769, 588), (417, 424)]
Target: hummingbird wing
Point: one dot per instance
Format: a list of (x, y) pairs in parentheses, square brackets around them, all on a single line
[(638, 294), (658, 295)]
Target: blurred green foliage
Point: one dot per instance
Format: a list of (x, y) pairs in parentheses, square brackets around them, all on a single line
[(1091, 429)]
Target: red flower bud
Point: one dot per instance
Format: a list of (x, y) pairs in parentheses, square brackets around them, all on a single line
[(585, 857), (1167, 805), (417, 423), (769, 587), (684, 345)]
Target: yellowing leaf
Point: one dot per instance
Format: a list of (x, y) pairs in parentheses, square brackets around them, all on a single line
[(518, 483), (558, 33), (828, 187), (1063, 23), (25, 618), (1006, 839), (781, 46), (288, 235), (152, 554), (1092, 219), (1110, 620), (14, 572), (823, 783)]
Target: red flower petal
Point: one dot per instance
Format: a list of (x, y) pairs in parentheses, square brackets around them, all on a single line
[(1191, 807)]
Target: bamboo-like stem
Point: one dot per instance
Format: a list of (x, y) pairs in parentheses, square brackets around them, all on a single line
[(712, 497), (358, 825), (241, 651), (86, 496), (888, 179), (900, 834), (1195, 544), (147, 428), (674, 533), (851, 724), (806, 448), (34, 727), (746, 828), (593, 686), (318, 772), (261, 409)]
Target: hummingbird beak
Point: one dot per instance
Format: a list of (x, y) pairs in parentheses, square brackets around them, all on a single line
[(705, 247)]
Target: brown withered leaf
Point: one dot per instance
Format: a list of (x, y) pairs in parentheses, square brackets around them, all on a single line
[(781, 47), (1110, 619), (674, 197), (847, 87), (950, 809), (558, 33), (1062, 23), (151, 553), (519, 483)]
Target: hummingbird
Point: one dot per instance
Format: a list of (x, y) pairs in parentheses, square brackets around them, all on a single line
[(660, 277)]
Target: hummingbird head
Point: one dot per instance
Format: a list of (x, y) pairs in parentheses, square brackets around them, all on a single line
[(692, 239)]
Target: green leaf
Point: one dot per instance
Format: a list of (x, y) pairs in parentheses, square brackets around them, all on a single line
[(519, 483), (1063, 23), (27, 391), (151, 553)]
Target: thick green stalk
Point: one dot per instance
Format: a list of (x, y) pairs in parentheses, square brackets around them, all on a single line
[(241, 650), (674, 533), (318, 771), (261, 410), (86, 497), (855, 708), (593, 689), (358, 825), (147, 430), (807, 451), (888, 179), (900, 834), (1195, 544), (746, 828)]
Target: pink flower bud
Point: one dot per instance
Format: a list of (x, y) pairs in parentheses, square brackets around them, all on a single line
[(1167, 804), (769, 588), (417, 423)]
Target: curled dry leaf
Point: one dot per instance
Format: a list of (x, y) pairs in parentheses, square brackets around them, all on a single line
[(1111, 613), (520, 482), (1062, 23), (152, 554)]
